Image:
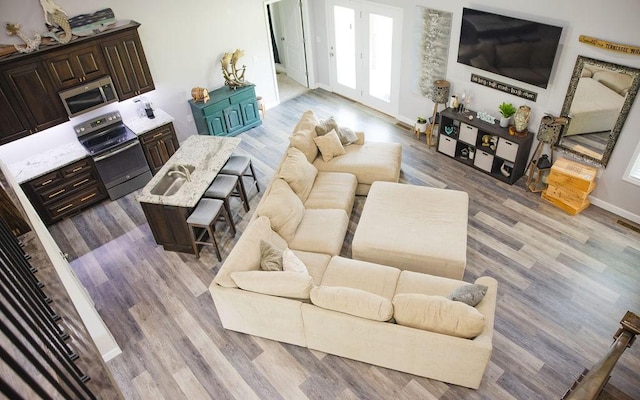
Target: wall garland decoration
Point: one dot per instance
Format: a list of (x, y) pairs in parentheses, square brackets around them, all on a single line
[(434, 47)]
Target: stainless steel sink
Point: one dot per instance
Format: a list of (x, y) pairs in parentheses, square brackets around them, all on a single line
[(173, 180)]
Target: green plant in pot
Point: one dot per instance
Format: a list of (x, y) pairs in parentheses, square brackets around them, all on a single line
[(506, 111), (421, 124)]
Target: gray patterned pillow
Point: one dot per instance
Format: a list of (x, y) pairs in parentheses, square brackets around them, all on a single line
[(347, 135), (469, 294), (325, 126), (270, 257)]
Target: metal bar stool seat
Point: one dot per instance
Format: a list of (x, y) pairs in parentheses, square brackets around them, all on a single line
[(240, 166), (204, 217), (223, 187)]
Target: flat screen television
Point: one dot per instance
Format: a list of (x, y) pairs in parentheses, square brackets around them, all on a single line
[(516, 48)]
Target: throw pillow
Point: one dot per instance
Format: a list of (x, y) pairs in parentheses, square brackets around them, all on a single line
[(270, 257), (353, 301), (437, 314), (469, 294), (283, 208), (298, 173), (291, 262), (275, 283), (347, 135), (329, 145), (325, 126), (303, 134)]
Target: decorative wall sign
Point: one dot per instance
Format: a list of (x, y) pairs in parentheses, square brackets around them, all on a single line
[(603, 44), (435, 29), (503, 87)]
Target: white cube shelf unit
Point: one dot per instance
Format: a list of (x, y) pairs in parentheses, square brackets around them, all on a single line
[(483, 145)]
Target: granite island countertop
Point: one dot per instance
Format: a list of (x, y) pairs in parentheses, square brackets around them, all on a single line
[(207, 154)]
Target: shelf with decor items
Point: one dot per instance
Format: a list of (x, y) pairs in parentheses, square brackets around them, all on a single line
[(482, 145)]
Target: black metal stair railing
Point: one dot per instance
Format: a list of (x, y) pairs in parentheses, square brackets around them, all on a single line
[(34, 348)]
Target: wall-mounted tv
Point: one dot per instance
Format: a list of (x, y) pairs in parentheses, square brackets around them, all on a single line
[(512, 47)]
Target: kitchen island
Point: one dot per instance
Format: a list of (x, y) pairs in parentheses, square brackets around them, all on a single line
[(193, 167)]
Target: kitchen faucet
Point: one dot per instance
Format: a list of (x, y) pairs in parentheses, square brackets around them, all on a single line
[(184, 173)]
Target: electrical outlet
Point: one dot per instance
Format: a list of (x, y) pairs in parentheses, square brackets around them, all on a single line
[(190, 118)]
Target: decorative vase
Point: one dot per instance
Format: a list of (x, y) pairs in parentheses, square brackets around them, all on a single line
[(504, 121), (521, 118), (453, 102), (421, 127)]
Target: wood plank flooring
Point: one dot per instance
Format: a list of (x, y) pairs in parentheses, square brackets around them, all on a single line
[(564, 284)]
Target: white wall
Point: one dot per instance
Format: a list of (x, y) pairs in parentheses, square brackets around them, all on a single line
[(614, 20), (183, 42)]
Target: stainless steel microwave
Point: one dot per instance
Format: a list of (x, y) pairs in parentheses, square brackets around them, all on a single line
[(88, 97)]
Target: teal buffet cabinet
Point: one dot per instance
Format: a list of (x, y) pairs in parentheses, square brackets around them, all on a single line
[(228, 111)]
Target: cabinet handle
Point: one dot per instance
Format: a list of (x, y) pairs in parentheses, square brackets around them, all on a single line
[(87, 197), (57, 193), (76, 169), (64, 208), (157, 135), (81, 182), (46, 182)]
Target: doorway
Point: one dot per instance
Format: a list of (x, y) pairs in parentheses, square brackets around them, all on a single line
[(286, 28), (364, 49)]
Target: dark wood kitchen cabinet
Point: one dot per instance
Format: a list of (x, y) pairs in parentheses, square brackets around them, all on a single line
[(159, 145), (127, 64), (69, 68), (33, 102), (65, 191)]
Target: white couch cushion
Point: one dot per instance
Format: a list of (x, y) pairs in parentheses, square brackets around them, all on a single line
[(321, 231), (291, 262), (283, 208), (245, 255), (333, 190), (299, 173), (352, 301), (369, 162), (303, 134), (373, 278), (275, 283), (437, 314)]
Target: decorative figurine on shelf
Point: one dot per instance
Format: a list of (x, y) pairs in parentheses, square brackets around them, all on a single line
[(199, 94), (521, 120), (233, 77), (54, 17), (30, 44)]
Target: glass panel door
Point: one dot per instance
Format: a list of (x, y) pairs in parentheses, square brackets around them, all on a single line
[(380, 56)]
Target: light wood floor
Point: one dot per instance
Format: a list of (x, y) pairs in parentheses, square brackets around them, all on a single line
[(564, 284)]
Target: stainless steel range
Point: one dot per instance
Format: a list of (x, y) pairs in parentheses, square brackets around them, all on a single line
[(116, 152)]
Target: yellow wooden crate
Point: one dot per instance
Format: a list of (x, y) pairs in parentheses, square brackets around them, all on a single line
[(574, 198), (568, 208), (572, 174)]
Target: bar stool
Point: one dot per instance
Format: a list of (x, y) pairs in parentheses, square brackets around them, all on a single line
[(205, 216), (223, 187), (240, 166)]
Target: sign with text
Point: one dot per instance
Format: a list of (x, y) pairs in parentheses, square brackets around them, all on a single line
[(503, 87)]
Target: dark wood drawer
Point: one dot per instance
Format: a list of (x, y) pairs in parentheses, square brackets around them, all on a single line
[(69, 186), (157, 133), (76, 168), (45, 182), (76, 202)]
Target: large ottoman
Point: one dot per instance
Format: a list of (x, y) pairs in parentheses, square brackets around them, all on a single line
[(414, 228)]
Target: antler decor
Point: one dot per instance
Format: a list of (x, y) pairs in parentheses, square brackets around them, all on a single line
[(233, 76)]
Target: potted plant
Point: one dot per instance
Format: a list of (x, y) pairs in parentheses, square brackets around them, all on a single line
[(506, 111), (421, 124)]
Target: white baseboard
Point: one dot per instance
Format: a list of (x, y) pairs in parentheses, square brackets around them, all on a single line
[(324, 87), (615, 209)]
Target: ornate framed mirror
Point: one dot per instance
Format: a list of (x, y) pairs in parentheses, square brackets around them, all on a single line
[(598, 101)]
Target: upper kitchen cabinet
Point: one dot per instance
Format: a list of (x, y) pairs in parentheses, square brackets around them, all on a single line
[(72, 67), (33, 102), (127, 64)]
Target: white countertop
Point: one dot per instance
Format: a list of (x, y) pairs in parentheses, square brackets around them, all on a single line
[(42, 163), (207, 154), (140, 125)]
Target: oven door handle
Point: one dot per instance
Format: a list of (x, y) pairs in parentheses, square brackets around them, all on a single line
[(102, 157)]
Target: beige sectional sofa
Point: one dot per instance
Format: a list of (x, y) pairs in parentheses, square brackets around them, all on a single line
[(342, 306)]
